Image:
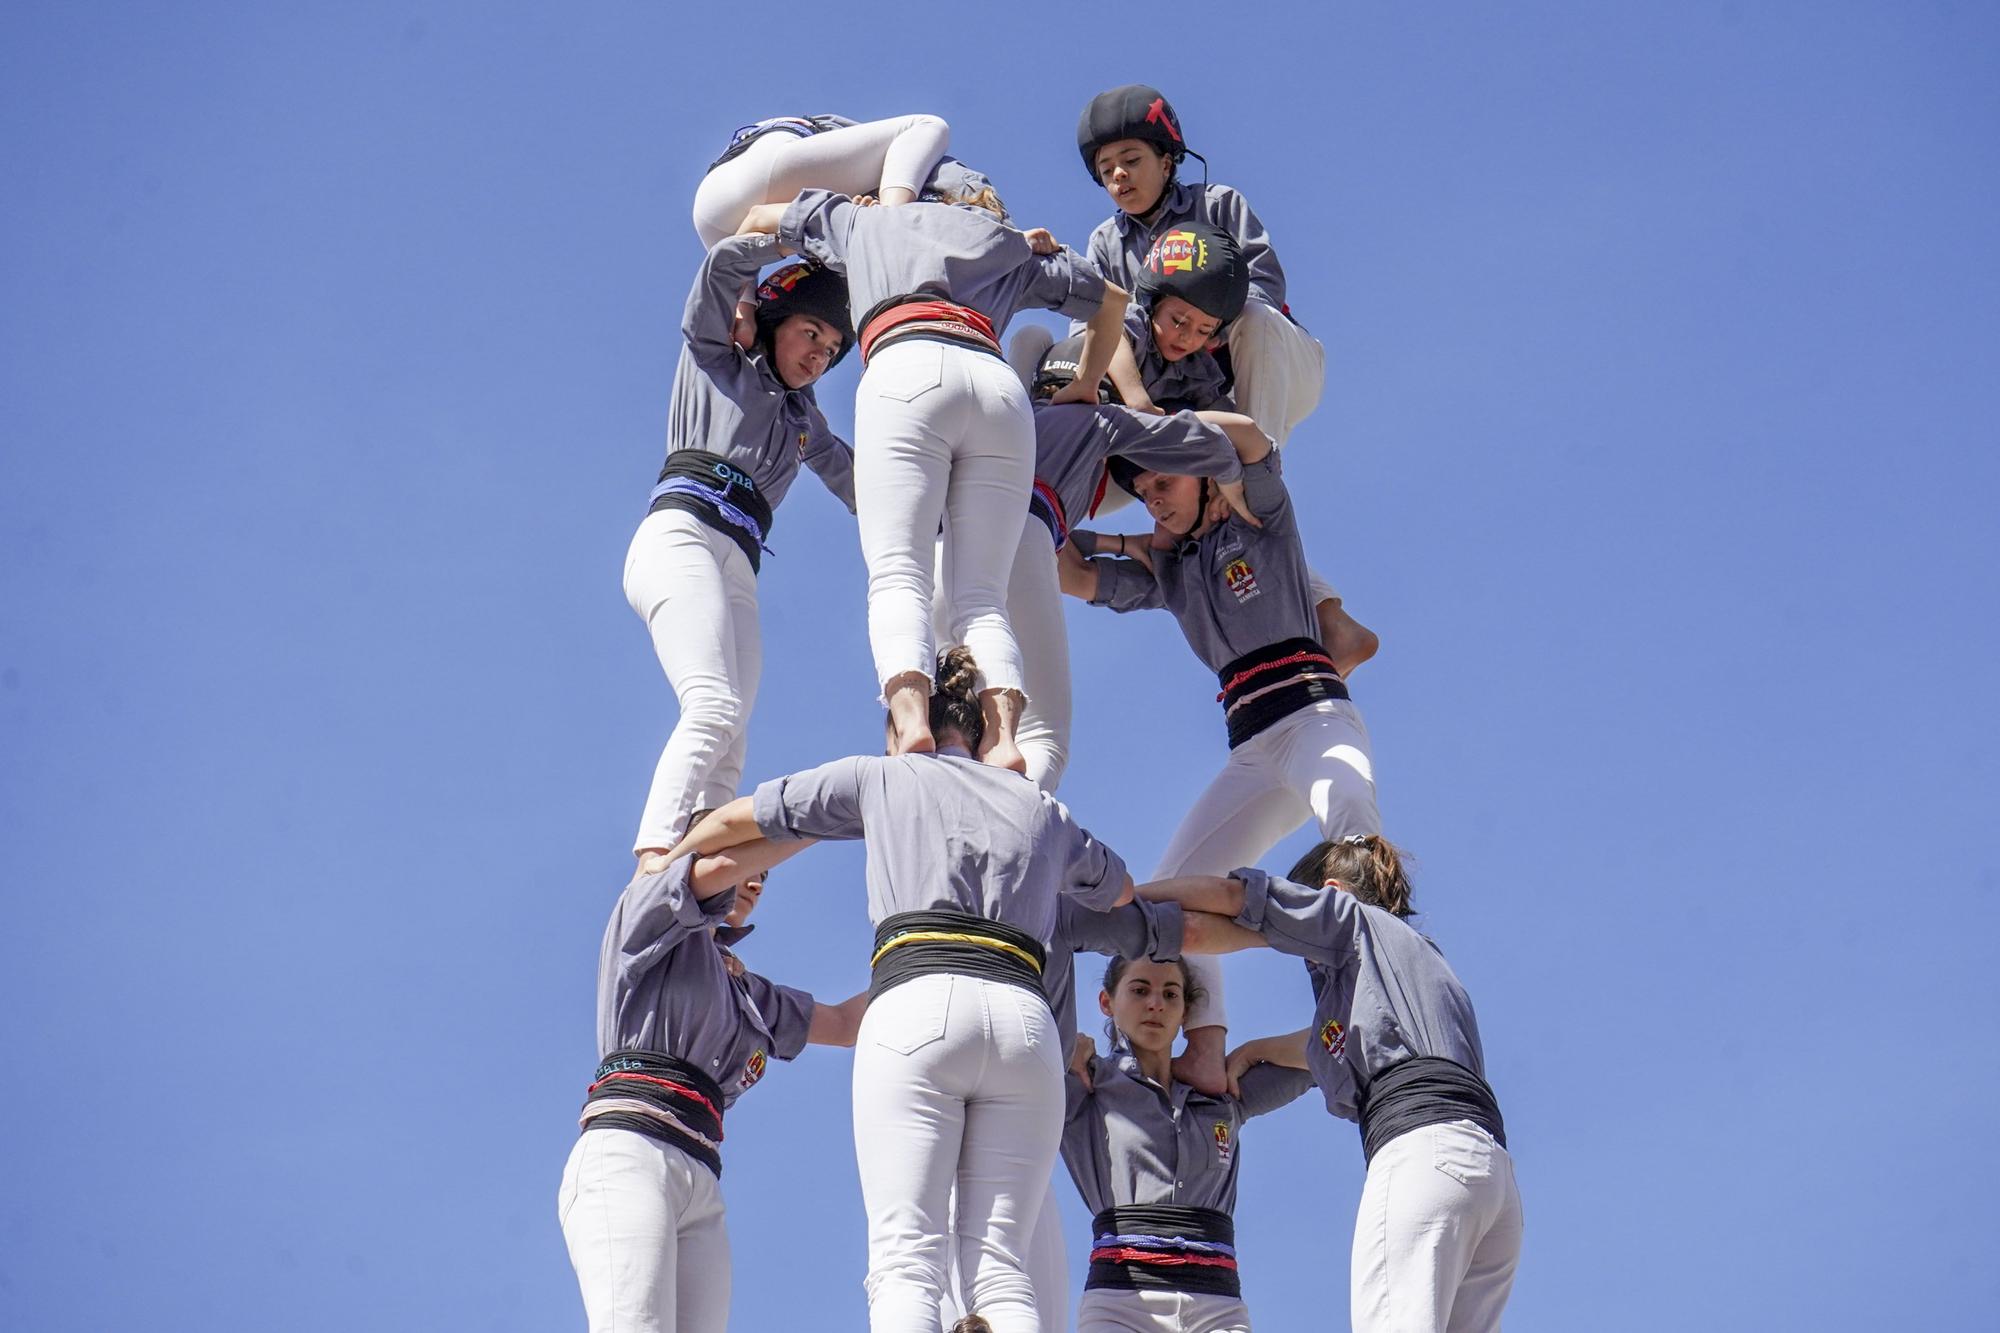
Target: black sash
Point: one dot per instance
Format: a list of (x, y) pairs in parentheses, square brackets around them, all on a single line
[(1273, 682), (910, 944), (682, 1105), (716, 482), (1425, 1090), (1164, 1245)]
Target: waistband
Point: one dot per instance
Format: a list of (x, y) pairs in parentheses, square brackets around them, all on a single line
[(745, 135), (1273, 682), (920, 315), (662, 1097), (1164, 1245), (720, 494), (1046, 505), (916, 944), (1425, 1090)]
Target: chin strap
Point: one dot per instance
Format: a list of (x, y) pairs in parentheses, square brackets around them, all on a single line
[(1184, 541)]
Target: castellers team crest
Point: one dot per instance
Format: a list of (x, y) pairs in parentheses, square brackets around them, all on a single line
[(1223, 1147), (1333, 1037), (1241, 578), (1180, 251), (753, 1068)]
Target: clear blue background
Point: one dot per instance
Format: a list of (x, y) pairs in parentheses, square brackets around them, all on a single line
[(1658, 443)]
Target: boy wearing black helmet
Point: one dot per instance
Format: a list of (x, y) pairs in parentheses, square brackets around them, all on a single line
[(1132, 145), (742, 422)]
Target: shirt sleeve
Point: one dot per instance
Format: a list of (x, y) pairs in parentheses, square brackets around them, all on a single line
[(1265, 489), (709, 321), (1181, 444), (1066, 283), (1139, 929), (830, 457), (657, 913), (1102, 251), (1267, 1087), (1095, 875), (1126, 585), (818, 224), (823, 802), (1267, 275), (1318, 925), (788, 1013)]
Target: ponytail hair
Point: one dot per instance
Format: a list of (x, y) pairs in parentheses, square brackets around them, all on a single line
[(955, 697), (985, 198), (972, 1323), (1371, 867)]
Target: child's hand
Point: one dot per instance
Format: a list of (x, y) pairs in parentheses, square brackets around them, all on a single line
[(744, 329), (1041, 240)]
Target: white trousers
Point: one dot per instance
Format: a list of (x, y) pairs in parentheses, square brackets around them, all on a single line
[(1438, 1235), (1034, 609), (941, 433), (1314, 764), (1048, 1271), (696, 592), (957, 1083), (646, 1236), (861, 159), (1280, 369), (1151, 1311)]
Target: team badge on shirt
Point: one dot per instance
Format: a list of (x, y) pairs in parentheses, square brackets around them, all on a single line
[(1333, 1037), (753, 1068), (1242, 579), (1223, 1147)]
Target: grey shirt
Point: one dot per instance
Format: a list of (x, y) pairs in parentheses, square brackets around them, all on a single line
[(1383, 991), (1197, 379), (957, 254), (731, 403), (1128, 1140), (1072, 440), (1118, 247), (1139, 929), (1235, 590), (663, 985), (947, 832)]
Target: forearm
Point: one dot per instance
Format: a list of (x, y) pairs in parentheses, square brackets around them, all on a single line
[(1252, 444), (838, 1024), (763, 219), (1125, 378), (1287, 1051), (1103, 336), (748, 860), (1198, 893), (1206, 933), (728, 826), (1076, 575)]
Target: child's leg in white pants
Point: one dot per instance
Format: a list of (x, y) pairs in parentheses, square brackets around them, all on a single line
[(986, 515), (1048, 1270), (860, 159), (1324, 755), (1280, 369), (1025, 351), (696, 592), (646, 1233)]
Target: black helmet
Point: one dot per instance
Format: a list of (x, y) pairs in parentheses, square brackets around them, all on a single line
[(804, 288), (1059, 366), (1199, 264), (1135, 111)]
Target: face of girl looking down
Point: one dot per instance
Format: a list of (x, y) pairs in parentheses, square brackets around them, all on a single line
[(1134, 174), (802, 348), (747, 894), (1173, 501), (1148, 1004)]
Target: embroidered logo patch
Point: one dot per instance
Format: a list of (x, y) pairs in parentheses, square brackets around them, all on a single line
[(753, 1068), (1333, 1037), (1222, 1145), (1242, 580), (1178, 252)]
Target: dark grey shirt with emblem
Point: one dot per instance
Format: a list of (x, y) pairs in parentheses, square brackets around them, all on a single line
[(1237, 588), (731, 403), (1119, 244), (663, 985), (1383, 992), (1129, 1140), (963, 255), (945, 831), (1072, 440)]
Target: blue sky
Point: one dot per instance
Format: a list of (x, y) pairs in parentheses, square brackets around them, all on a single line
[(1658, 443)]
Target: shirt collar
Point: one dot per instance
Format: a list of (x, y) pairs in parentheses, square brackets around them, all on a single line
[(1178, 200)]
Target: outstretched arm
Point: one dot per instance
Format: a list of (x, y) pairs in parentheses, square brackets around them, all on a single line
[(1125, 377), (1103, 334), (838, 1024), (1198, 893), (1287, 1051), (1205, 932)]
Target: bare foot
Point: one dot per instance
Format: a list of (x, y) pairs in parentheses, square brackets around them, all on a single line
[(1001, 752), (1000, 710), (1204, 1064), (652, 860), (1346, 640), (912, 740)]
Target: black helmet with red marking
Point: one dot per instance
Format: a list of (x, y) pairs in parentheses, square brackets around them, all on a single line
[(1135, 111)]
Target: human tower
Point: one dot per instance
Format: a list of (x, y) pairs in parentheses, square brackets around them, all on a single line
[(973, 462)]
